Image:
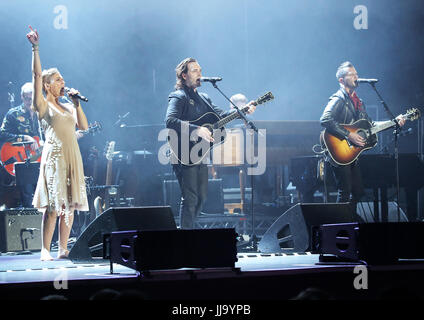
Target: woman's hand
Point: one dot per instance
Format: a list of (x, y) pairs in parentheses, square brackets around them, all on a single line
[(33, 37), (73, 93)]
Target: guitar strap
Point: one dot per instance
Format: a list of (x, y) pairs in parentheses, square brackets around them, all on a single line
[(208, 104)]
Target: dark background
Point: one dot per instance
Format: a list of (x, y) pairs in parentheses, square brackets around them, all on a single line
[(122, 54)]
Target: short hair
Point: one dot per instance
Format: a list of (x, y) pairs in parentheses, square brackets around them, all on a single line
[(27, 88), (180, 69), (342, 69), (47, 76), (238, 98)]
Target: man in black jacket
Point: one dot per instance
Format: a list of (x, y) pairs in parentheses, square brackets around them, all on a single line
[(345, 107), (184, 105)]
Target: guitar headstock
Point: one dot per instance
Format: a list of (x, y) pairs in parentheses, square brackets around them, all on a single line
[(266, 97), (96, 126), (412, 114), (110, 149)]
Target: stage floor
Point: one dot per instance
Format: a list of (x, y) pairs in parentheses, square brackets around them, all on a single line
[(265, 277), (18, 268)]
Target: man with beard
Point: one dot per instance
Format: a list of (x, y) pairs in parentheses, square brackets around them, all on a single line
[(186, 105)]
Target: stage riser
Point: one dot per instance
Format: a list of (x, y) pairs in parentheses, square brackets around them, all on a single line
[(268, 286)]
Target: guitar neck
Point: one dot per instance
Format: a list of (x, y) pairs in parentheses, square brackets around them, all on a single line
[(384, 125), (229, 118), (109, 173)]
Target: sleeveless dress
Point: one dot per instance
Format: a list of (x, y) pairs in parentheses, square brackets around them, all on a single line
[(61, 184)]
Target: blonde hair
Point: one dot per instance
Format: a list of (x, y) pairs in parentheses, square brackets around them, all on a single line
[(47, 76)]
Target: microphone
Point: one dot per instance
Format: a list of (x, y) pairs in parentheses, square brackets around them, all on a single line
[(210, 79), (366, 80), (76, 95)]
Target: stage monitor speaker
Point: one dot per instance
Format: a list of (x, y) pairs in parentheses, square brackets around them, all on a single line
[(20, 230), (172, 249), (374, 243), (291, 231), (89, 245), (366, 211)]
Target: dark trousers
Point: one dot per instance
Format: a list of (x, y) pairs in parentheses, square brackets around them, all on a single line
[(193, 181), (349, 183)]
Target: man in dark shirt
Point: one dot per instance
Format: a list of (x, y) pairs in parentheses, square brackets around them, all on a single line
[(186, 104), (344, 107), (21, 124)]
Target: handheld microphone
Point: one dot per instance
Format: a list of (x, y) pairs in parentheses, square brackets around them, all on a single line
[(210, 79), (76, 95), (366, 80)]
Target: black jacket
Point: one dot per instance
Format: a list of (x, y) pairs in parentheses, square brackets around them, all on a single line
[(187, 105), (340, 110)]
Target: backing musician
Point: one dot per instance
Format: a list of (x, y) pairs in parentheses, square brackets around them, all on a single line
[(20, 124)]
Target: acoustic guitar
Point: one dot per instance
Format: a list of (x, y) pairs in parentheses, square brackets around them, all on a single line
[(216, 125), (344, 152)]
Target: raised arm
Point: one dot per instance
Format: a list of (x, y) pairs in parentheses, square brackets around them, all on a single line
[(39, 102)]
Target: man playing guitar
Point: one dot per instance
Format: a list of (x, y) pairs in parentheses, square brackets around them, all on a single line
[(344, 107), (20, 124), (184, 105)]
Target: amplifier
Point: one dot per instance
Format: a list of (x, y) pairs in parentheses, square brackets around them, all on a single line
[(20, 230)]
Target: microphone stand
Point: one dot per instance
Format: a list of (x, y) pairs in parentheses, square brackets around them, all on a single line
[(396, 132), (10, 94), (253, 241)]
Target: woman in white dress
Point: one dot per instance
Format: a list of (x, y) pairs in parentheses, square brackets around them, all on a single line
[(60, 187)]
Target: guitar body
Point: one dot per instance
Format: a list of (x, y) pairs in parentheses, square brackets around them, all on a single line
[(208, 120), (195, 151), (344, 152), (10, 154)]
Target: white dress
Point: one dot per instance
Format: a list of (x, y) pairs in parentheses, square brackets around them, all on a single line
[(61, 185)]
